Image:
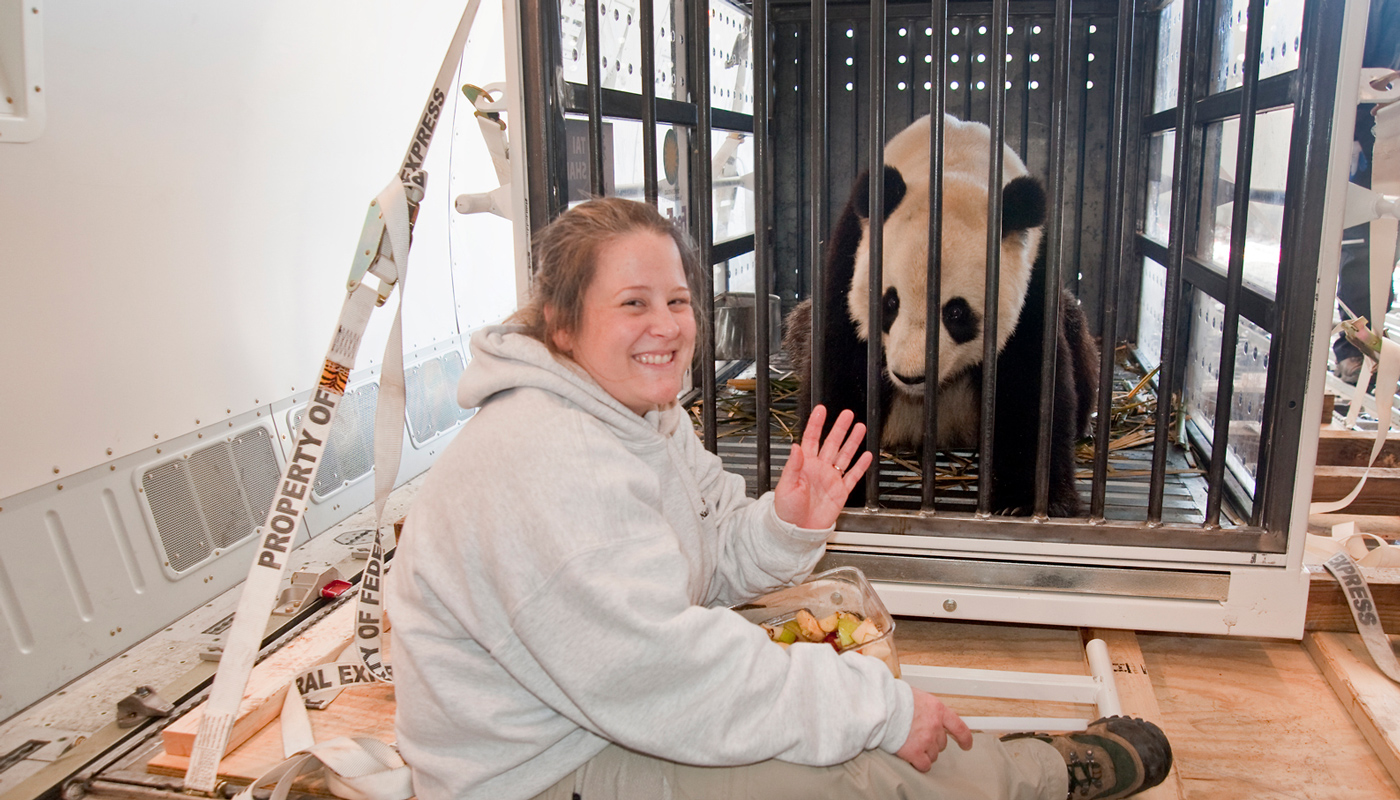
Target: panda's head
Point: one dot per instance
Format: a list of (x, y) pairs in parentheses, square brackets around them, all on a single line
[(963, 284)]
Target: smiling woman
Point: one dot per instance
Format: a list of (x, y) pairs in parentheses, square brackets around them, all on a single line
[(637, 335), (561, 593)]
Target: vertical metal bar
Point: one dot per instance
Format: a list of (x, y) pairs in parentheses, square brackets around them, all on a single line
[(938, 78), (701, 196), (1239, 220), (648, 25), (1023, 90), (595, 99), (997, 122), (1308, 153), (763, 270), (1059, 114), (877, 244), (546, 171), (1140, 91), (1113, 251), (816, 171), (965, 55), (1183, 175), (1077, 257)]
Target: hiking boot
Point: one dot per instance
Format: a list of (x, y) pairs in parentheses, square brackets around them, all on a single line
[(1115, 757)]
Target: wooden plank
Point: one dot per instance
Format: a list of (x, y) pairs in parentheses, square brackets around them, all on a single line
[(262, 699), (1381, 495), (1372, 699), (1330, 610), (1383, 525), (1255, 719), (1353, 448), (1329, 405), (1136, 695), (358, 711)]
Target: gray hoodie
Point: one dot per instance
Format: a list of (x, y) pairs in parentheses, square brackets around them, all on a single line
[(562, 583)]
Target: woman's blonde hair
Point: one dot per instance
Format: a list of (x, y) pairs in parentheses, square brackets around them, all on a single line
[(565, 261)]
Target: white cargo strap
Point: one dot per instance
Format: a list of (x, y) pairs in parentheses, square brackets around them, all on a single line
[(260, 591), (389, 219), (1363, 611), (1387, 375), (356, 768), (1343, 554), (388, 445)]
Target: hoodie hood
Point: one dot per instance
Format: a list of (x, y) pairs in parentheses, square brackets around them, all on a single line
[(505, 358)]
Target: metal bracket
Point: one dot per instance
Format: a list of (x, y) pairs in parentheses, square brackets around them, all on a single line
[(305, 586), (367, 252), (139, 705)]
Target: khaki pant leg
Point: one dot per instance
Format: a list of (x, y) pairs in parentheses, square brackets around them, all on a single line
[(1023, 769)]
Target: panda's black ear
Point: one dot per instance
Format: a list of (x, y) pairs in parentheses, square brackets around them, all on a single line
[(894, 192), (1023, 205)]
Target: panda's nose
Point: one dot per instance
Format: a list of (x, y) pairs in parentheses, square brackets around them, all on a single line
[(915, 381)]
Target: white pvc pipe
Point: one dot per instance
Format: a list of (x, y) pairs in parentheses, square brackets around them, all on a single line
[(1102, 671), (1024, 724)]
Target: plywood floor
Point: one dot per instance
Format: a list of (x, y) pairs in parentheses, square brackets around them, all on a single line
[(1246, 718)]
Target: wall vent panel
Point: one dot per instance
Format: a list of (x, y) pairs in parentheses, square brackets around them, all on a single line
[(179, 530), (349, 454), (210, 498), (431, 389), (257, 473)]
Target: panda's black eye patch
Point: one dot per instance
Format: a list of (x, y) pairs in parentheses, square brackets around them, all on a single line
[(890, 308), (960, 320)]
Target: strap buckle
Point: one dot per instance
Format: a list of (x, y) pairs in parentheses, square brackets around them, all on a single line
[(373, 255)]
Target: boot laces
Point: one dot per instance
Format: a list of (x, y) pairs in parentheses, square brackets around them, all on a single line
[(1085, 775)]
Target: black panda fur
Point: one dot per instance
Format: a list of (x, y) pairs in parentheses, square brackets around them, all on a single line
[(1020, 316)]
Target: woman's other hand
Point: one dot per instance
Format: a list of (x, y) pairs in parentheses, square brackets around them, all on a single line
[(928, 734), (819, 474)]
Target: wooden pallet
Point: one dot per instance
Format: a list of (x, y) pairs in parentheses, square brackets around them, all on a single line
[(1246, 718)]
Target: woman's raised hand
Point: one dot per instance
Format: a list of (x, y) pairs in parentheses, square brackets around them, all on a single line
[(819, 474)]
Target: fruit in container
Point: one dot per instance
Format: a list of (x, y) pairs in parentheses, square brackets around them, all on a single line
[(842, 630), (810, 628)]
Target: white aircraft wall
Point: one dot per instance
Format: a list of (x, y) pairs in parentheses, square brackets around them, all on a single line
[(174, 248), (174, 244)]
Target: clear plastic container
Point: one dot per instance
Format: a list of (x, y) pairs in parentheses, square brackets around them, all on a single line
[(824, 594)]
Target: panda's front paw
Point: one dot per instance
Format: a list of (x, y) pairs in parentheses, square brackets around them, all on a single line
[(1014, 511)]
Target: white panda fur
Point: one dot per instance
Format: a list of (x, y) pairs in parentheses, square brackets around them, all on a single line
[(845, 275), (966, 164)]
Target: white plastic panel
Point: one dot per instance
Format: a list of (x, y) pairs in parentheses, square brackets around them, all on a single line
[(1151, 305), (83, 575), (1164, 88), (1282, 36), (1157, 220), (731, 87), (1264, 231), (619, 27), (1202, 383), (177, 242)]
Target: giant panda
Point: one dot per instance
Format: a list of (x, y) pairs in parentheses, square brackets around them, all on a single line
[(1020, 315)]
